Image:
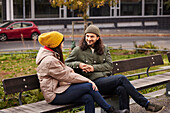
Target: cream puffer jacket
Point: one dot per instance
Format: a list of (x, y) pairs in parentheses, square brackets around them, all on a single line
[(54, 76)]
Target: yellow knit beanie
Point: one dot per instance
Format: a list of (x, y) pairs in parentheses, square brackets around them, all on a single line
[(51, 39)]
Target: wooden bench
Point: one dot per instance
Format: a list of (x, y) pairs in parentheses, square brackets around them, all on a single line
[(143, 83), (139, 63), (25, 83)]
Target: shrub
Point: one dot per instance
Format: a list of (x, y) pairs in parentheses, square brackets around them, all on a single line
[(147, 45)]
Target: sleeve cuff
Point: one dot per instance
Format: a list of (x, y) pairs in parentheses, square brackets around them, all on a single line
[(76, 65), (95, 68)]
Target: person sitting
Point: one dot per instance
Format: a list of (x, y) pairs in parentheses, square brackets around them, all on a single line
[(59, 83), (92, 59)]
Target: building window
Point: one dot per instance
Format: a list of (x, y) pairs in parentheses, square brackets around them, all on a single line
[(151, 7), (166, 9), (131, 7), (18, 9), (102, 11), (74, 13), (43, 9)]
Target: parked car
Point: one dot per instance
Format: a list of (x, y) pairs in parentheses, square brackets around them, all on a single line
[(18, 29)]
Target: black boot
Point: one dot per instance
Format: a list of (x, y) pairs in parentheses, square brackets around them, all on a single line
[(113, 110)]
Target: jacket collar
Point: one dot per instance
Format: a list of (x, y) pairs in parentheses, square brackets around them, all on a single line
[(44, 52), (45, 47), (55, 53)]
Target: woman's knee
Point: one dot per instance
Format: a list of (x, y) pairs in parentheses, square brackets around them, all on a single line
[(87, 86)]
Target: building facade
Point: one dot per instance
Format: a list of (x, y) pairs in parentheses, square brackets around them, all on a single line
[(138, 14)]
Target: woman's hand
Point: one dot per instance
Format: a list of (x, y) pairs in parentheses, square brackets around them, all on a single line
[(93, 85), (90, 68), (72, 71), (86, 67)]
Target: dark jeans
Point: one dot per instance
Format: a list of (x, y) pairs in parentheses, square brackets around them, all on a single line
[(120, 85), (81, 93)]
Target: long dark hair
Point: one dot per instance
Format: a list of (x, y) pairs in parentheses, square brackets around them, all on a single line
[(59, 51), (98, 47)]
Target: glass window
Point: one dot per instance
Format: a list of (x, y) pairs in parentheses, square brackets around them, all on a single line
[(166, 9), (18, 8), (151, 7), (131, 7), (43, 9), (16, 25), (102, 11), (27, 8), (5, 24), (26, 25), (74, 13)]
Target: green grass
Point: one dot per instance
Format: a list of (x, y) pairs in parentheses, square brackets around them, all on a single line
[(24, 64)]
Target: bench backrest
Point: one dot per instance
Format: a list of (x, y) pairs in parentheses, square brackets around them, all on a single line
[(30, 82), (20, 84), (136, 63)]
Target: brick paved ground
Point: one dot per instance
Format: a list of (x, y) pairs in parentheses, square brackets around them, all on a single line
[(161, 100)]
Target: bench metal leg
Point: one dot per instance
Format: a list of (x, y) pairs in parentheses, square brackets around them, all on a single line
[(168, 89), (20, 95), (4, 98), (113, 101)]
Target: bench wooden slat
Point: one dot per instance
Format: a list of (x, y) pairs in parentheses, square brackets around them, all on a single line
[(34, 107), (24, 109), (20, 84), (39, 107), (46, 107), (151, 81), (11, 110), (136, 63)]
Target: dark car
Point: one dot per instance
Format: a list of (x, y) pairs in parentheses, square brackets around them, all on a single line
[(16, 30)]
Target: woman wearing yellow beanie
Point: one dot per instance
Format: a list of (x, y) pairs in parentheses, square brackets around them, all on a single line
[(59, 83)]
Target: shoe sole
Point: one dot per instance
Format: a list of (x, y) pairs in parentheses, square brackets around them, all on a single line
[(161, 109), (157, 111), (127, 112)]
